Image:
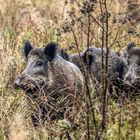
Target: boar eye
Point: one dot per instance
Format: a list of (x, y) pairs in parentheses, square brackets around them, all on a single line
[(39, 63)]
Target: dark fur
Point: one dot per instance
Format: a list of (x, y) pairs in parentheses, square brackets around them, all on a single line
[(91, 58), (132, 76), (129, 47), (135, 51), (54, 87), (64, 54)]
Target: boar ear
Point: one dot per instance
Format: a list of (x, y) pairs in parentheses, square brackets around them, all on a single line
[(88, 57), (50, 51), (27, 47), (64, 54), (130, 46)]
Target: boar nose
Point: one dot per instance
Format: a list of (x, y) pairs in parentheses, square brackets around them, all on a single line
[(16, 83)]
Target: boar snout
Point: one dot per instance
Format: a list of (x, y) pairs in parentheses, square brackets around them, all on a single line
[(19, 81)]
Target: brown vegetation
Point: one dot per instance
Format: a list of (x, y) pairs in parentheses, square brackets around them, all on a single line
[(64, 22)]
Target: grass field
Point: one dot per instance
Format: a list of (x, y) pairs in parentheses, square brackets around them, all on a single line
[(41, 21)]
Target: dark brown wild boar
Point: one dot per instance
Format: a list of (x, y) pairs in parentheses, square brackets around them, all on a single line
[(54, 87), (132, 76), (92, 58)]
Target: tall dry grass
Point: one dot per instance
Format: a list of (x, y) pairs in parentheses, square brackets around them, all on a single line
[(40, 21)]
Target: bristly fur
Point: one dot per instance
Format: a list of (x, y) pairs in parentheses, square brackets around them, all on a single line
[(64, 54), (55, 90), (135, 51), (130, 46)]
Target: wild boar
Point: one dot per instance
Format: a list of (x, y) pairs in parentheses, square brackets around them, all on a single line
[(132, 76), (92, 58), (54, 87)]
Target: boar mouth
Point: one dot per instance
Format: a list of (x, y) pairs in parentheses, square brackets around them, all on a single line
[(31, 87)]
